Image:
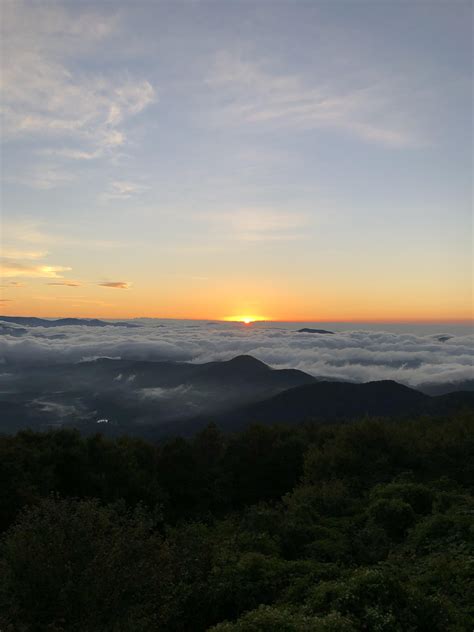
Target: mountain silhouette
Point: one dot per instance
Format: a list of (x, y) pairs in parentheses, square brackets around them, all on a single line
[(167, 398), (246, 369), (307, 330), (331, 401), (243, 370), (32, 321), (443, 388), (131, 392)]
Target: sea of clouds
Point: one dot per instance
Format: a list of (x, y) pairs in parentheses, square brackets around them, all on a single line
[(355, 354)]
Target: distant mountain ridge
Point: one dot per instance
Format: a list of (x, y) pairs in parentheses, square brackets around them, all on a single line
[(308, 330), (33, 321)]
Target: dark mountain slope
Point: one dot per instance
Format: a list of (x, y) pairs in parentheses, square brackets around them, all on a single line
[(446, 387), (246, 370), (239, 372), (339, 400), (444, 404), (172, 398), (132, 392)]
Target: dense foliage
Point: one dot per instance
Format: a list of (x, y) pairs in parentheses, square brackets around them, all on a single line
[(335, 528)]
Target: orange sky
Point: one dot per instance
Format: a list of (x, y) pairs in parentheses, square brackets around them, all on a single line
[(221, 301)]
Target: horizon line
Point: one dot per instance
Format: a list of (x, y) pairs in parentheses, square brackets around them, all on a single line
[(408, 321)]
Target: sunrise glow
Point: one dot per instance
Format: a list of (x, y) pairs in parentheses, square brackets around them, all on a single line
[(246, 319), (296, 178)]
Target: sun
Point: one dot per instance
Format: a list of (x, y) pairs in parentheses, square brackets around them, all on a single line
[(246, 319)]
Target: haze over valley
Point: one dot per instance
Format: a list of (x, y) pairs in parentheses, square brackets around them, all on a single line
[(160, 378)]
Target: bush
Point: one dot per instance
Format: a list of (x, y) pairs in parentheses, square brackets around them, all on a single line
[(393, 515), (79, 566), (271, 619), (378, 599)]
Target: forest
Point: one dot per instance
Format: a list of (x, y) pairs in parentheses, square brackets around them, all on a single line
[(344, 527)]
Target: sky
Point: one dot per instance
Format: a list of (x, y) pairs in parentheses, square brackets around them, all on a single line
[(280, 160)]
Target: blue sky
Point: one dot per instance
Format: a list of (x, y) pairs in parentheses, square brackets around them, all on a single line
[(286, 159)]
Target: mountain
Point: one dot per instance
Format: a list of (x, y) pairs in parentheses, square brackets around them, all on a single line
[(446, 387), (241, 372), (307, 330), (31, 321), (137, 392), (330, 401), (156, 399), (247, 370), (443, 338)]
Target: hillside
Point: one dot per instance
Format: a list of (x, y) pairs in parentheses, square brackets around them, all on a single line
[(135, 395), (341, 400), (158, 399)]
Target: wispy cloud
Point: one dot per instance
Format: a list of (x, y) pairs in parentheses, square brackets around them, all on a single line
[(258, 224), (123, 189), (24, 231), (253, 94), (10, 268), (46, 97), (119, 285), (13, 284), (72, 154), (66, 283), (43, 177), (30, 231), (12, 253)]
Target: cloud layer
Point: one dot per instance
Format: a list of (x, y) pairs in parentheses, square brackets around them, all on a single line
[(358, 355)]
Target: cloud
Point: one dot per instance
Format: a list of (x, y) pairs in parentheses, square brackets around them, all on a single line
[(15, 269), (11, 284), (45, 96), (352, 354), (20, 261), (30, 231), (44, 177), (122, 189), (72, 154), (12, 253), (255, 94), (24, 231), (164, 393), (258, 224), (121, 285), (65, 411), (66, 283)]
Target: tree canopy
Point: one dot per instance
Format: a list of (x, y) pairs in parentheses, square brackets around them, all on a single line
[(343, 527)]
